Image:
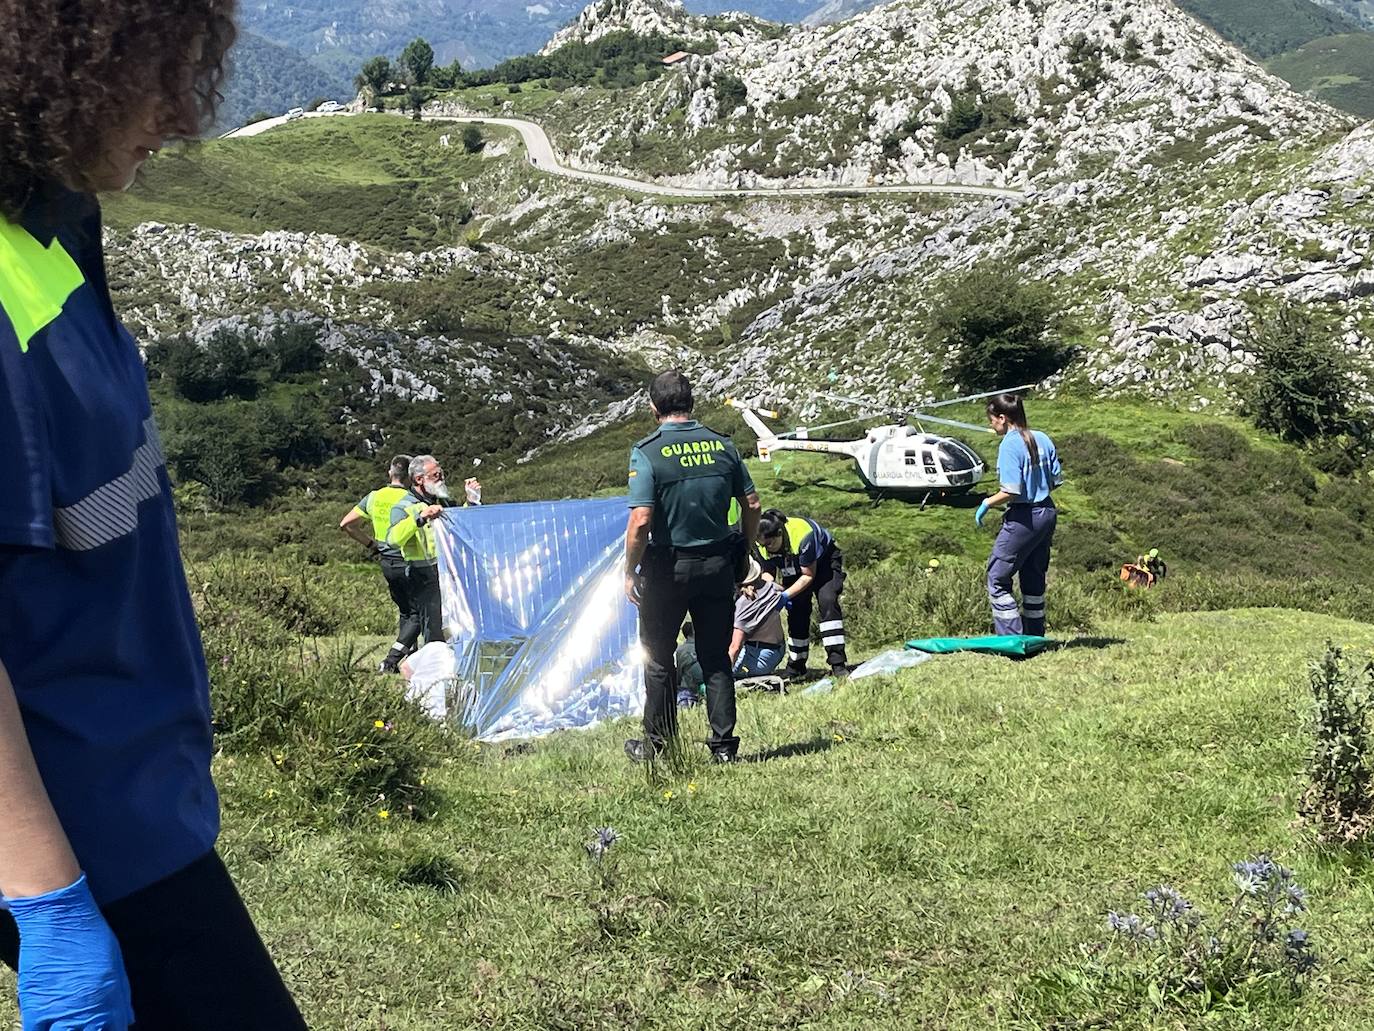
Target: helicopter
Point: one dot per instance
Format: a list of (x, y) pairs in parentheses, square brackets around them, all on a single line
[(898, 459)]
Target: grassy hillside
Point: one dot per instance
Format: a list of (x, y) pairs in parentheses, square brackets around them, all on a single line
[(1336, 69), (937, 849), (1266, 29), (384, 181)]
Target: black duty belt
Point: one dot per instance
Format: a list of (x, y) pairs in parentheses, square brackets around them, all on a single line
[(696, 551)]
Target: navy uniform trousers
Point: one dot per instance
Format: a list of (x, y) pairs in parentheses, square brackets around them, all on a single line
[(1022, 551), (194, 960), (825, 593)]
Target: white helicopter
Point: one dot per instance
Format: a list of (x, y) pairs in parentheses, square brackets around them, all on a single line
[(895, 459)]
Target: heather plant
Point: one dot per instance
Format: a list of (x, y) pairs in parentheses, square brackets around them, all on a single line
[(1338, 802)]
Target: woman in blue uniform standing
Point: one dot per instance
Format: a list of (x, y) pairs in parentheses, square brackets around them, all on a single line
[(1028, 472)]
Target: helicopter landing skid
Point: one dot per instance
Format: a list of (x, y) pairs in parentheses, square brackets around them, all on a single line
[(914, 495)]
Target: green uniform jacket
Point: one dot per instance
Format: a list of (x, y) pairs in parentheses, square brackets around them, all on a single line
[(688, 475)]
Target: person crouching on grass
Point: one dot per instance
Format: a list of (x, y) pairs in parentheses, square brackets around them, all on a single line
[(116, 906)]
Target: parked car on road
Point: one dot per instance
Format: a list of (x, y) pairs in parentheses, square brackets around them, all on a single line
[(329, 107), (294, 113)]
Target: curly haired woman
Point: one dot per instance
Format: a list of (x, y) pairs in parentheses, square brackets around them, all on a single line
[(119, 908)]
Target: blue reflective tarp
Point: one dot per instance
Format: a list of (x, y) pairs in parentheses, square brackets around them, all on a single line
[(535, 610)]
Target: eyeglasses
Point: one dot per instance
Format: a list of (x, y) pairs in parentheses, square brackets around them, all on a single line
[(436, 477)]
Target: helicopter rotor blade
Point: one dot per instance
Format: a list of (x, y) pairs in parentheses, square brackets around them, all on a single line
[(919, 418), (979, 397), (792, 435)]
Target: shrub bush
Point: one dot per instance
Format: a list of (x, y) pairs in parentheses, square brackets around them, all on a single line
[(1090, 546), (221, 367), (896, 601), (965, 117), (1339, 800), (1300, 388), (998, 330), (862, 550), (346, 743)]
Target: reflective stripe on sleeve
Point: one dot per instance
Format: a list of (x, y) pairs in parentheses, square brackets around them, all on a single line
[(111, 511)]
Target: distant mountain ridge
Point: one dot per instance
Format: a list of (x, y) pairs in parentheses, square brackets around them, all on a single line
[(339, 34)]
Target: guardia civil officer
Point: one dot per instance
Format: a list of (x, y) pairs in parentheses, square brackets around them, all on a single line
[(368, 523), (803, 557), (117, 908), (681, 556), (1028, 472)]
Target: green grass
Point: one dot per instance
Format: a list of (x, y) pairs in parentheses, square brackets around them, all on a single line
[(1269, 28), (1336, 69), (914, 852), (379, 180)]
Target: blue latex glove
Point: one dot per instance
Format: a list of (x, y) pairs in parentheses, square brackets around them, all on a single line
[(71, 972), (784, 602), (981, 514)]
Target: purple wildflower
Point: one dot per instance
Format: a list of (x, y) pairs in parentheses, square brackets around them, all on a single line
[(601, 844), (1167, 903), (1131, 926)]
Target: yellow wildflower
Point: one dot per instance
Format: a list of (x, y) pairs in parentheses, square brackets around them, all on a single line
[(384, 814), (692, 788), (668, 796), (379, 724)]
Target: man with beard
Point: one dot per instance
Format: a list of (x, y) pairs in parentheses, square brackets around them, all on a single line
[(412, 530), (368, 523)]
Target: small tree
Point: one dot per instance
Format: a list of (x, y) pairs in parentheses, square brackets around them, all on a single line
[(473, 140), (731, 92), (314, 105), (1301, 388), (448, 77), (998, 330), (965, 116), (415, 100), (417, 60), (376, 76)]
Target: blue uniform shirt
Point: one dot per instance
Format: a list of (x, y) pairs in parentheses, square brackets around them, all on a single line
[(1031, 481), (96, 626)]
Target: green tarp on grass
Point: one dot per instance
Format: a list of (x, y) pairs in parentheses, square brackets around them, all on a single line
[(1017, 646)]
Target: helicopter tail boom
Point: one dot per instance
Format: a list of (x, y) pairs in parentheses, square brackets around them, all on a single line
[(767, 439)]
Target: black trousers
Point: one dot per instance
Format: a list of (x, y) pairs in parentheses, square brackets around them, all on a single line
[(398, 585), (194, 959), (676, 584), (825, 590), (428, 621)]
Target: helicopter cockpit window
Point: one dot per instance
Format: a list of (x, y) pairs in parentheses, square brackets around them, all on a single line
[(956, 459), (930, 464)]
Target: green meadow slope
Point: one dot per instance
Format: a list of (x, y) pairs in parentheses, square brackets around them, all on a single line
[(935, 849), (1336, 69)]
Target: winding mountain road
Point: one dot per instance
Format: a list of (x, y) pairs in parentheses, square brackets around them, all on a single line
[(540, 153)]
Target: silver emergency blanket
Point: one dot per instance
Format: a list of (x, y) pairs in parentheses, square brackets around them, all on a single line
[(535, 609)]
